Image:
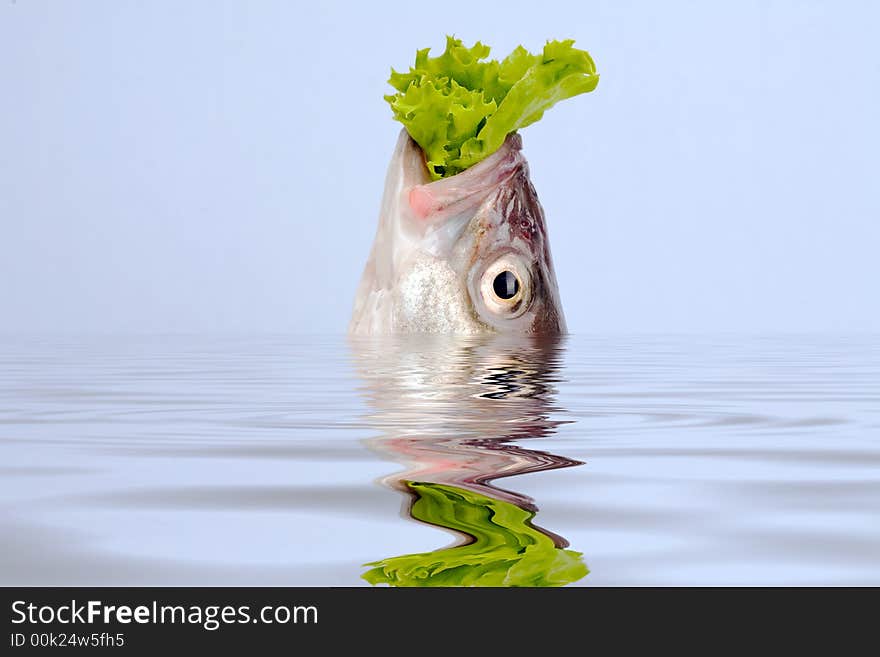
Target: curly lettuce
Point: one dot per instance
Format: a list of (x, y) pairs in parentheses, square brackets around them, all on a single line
[(506, 549), (459, 107)]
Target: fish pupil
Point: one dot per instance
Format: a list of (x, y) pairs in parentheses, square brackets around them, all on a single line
[(505, 285)]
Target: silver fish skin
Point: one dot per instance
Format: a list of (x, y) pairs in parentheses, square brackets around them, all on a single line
[(468, 254)]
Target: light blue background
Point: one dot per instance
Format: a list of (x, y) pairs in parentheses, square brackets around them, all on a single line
[(191, 166)]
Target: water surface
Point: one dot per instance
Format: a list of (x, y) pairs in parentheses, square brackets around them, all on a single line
[(296, 460)]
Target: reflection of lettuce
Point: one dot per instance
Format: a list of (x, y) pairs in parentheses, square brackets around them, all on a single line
[(506, 551), (459, 107)]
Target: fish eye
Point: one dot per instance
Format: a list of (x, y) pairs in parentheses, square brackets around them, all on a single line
[(505, 286)]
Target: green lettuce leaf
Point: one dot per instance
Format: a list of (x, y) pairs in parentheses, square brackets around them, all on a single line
[(506, 549), (459, 107)]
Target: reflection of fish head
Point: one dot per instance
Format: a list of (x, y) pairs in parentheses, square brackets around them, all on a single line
[(447, 408), (466, 254)]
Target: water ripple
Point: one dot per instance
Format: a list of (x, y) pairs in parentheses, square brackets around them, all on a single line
[(277, 459)]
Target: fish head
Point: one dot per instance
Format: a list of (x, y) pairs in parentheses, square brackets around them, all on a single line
[(466, 254)]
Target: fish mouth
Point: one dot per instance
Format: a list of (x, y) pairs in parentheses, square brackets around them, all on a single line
[(467, 190)]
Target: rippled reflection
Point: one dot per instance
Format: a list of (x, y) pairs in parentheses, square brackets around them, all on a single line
[(448, 409)]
